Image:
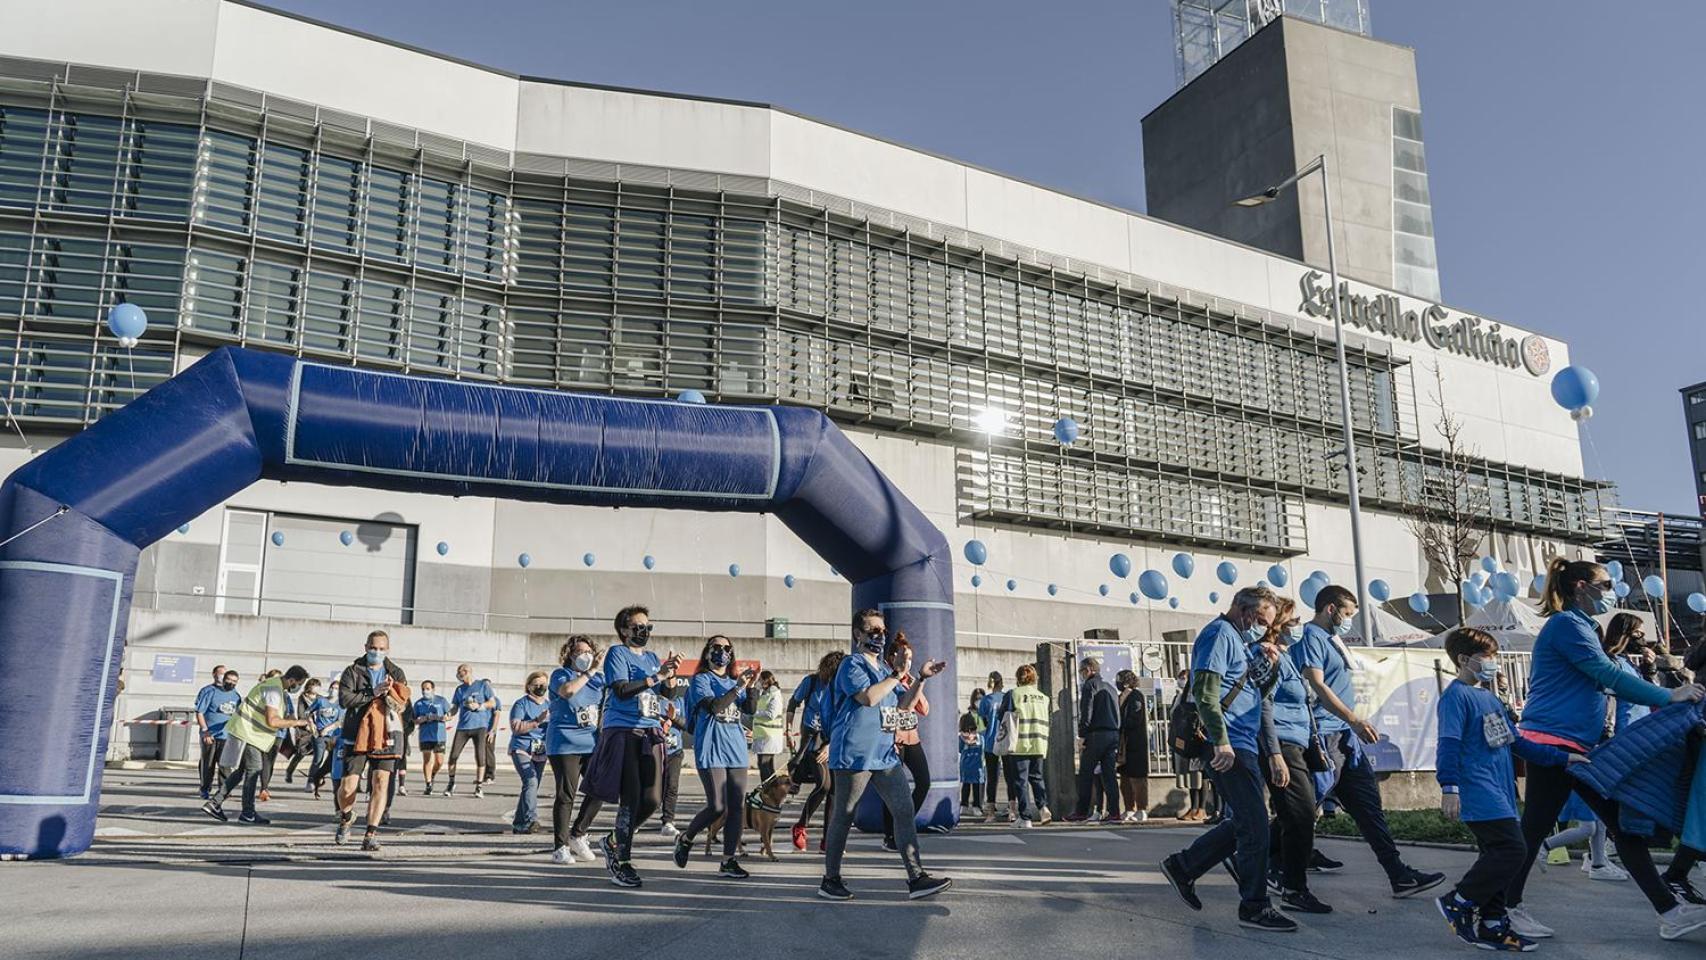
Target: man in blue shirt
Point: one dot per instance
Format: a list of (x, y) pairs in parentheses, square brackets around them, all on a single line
[(1326, 665), (1224, 685), (430, 713), (472, 704), (214, 704)]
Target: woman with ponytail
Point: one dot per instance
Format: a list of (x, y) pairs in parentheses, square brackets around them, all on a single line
[(1568, 683)]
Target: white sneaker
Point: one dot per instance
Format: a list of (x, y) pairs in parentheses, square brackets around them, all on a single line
[(1044, 816), (1025, 824), (1012, 811), (1139, 816), (1524, 924), (581, 850), (668, 830), (563, 855), (1683, 919), (1610, 871)]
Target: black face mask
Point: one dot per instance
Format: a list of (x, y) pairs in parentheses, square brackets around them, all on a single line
[(536, 690), (229, 685), (874, 641), (640, 634)]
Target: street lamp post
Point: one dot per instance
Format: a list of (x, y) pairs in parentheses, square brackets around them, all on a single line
[(1364, 617)]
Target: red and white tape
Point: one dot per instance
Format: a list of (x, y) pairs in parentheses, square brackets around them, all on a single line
[(160, 723)]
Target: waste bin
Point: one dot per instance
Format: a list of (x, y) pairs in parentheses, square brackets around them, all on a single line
[(177, 736)]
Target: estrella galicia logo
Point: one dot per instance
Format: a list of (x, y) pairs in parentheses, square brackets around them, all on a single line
[(1536, 355)]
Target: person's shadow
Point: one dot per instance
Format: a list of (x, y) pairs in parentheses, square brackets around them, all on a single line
[(50, 838)]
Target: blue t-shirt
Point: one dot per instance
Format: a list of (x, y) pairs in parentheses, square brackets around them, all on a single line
[(861, 737), (1480, 723), (377, 675), (432, 705), (327, 713), (971, 761), (638, 712), (989, 708), (574, 720), (529, 710), (1291, 704), (216, 705), (719, 740), (472, 719), (1317, 651), (1563, 700), (1219, 649), (812, 695), (676, 707)]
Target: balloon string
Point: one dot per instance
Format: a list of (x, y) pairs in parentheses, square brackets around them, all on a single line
[(62, 511), (1628, 548)]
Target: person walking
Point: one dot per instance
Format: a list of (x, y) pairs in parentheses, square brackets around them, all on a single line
[(577, 690), (716, 699), (214, 705), (251, 732), (492, 735), (474, 706), (528, 718), (374, 693), (1287, 733), (628, 744), (327, 718), (1029, 707), (767, 726), (907, 741), (1188, 765), (1229, 707), (989, 710), (1569, 675), (430, 712), (810, 763), (1132, 763), (677, 722), (1098, 742), (303, 741), (281, 742), (865, 717), (1327, 666)]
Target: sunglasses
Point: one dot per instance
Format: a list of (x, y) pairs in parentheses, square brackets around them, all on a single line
[(721, 646)]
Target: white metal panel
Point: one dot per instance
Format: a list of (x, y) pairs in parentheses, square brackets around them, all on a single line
[(1045, 219), (625, 127), (164, 36), (313, 575), (866, 169)]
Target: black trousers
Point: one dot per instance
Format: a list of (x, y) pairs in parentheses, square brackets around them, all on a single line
[(971, 794), (1502, 851), (1292, 833), (1358, 791), (639, 794), (1548, 788), (464, 737), (766, 766), (670, 789), (725, 794), (992, 774), (912, 758), (566, 774), (1100, 747), (209, 762)]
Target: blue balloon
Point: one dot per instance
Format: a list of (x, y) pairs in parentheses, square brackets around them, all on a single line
[(127, 320), (690, 396), (1614, 568), (525, 560), (346, 538), (1184, 565), (1120, 565), (1135, 598), (443, 548), (1320, 575), (1505, 585), (1490, 564), (976, 580), (1227, 572), (1277, 575), (1380, 590), (1540, 583), (1697, 602), (1052, 589), (1066, 430), (1213, 597), (1575, 387), (1622, 589), (649, 561), (788, 581), (1654, 585), (1103, 589), (1012, 585), (588, 559), (1478, 577), (1173, 602), (184, 529), (1419, 602), (734, 569), (1307, 590), (278, 538), (976, 553), (1153, 585)]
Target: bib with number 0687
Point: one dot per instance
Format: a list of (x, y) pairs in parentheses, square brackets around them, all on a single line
[(1497, 730), (890, 719)]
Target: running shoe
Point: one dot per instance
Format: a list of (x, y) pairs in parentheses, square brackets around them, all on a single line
[(253, 819), (581, 849), (1609, 872), (1414, 881), (683, 850), (342, 834), (1681, 920), (1498, 935), (1555, 857), (1459, 914), (429, 789), (799, 838), (479, 792), (1524, 925), (1302, 901), (924, 885), (624, 875), (611, 853), (1185, 888), (370, 842), (1045, 817), (1266, 918), (668, 829), (935, 828), (1075, 818), (214, 810), (833, 889), (1321, 863), (1684, 891), (888, 844), (563, 856), (732, 869), (402, 791)]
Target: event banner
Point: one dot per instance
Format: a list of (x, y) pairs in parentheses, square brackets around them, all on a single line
[(1397, 691)]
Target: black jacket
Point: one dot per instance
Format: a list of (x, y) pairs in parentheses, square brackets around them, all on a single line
[(355, 692), (1098, 707)]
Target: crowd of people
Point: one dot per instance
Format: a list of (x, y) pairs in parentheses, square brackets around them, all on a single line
[(1264, 731)]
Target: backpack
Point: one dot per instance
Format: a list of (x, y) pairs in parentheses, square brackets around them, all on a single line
[(1184, 725)]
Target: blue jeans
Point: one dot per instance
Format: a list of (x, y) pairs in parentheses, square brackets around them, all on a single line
[(527, 805), (1033, 793), (1242, 835)]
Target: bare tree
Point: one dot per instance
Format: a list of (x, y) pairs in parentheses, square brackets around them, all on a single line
[(1447, 514)]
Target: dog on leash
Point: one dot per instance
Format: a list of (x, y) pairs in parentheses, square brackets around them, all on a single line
[(759, 813)]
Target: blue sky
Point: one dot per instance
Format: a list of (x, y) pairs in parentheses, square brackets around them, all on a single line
[(1564, 140)]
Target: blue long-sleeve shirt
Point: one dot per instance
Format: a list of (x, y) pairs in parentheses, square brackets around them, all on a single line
[(1473, 755), (1569, 679)]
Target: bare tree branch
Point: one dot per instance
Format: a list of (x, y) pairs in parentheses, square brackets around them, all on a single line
[(1446, 501)]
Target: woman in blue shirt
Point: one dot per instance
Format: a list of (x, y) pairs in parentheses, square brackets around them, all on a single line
[(810, 763), (1286, 732), (527, 723), (715, 701), (1568, 681), (631, 735), (576, 690)]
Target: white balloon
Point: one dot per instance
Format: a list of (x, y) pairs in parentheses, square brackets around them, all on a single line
[(1581, 413)]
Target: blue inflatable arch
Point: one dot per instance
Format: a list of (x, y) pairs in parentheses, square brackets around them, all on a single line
[(86, 509)]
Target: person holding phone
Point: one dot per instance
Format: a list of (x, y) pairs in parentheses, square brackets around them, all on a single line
[(716, 698), (866, 703), (632, 734)]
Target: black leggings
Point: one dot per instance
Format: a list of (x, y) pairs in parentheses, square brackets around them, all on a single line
[(971, 794), (725, 790), (566, 771), (1548, 788), (992, 776), (1292, 834), (639, 787), (912, 758), (462, 739)]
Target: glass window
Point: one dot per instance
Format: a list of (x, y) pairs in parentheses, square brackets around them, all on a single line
[(337, 202), (159, 172), (1415, 251), (480, 336), (431, 329), (14, 271), (1413, 218), (225, 192), (23, 137), (67, 278), (148, 275), (435, 228), (1406, 124), (539, 254), (485, 240), (85, 157), (213, 293), (328, 310), (590, 252), (282, 204), (275, 294), (1407, 155), (1410, 187), (380, 309), (386, 235)]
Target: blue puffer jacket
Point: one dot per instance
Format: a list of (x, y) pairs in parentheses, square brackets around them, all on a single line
[(1647, 768)]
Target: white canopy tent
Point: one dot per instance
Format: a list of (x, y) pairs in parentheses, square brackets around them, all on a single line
[(1389, 631), (1516, 623)]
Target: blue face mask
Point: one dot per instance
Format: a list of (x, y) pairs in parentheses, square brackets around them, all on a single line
[(1254, 634), (1486, 671), (375, 657), (1295, 633), (1343, 627), (874, 641), (719, 657), (1600, 603)]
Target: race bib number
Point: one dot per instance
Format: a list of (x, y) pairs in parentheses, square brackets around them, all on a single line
[(1497, 730), (648, 703), (587, 716), (906, 720), (890, 719), (672, 739), (729, 714), (228, 708)]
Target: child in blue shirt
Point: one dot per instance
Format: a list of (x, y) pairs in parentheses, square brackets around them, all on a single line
[(971, 766), (1477, 735)]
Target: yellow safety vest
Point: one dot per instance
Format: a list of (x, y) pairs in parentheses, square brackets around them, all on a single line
[(1030, 709), (249, 723)]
